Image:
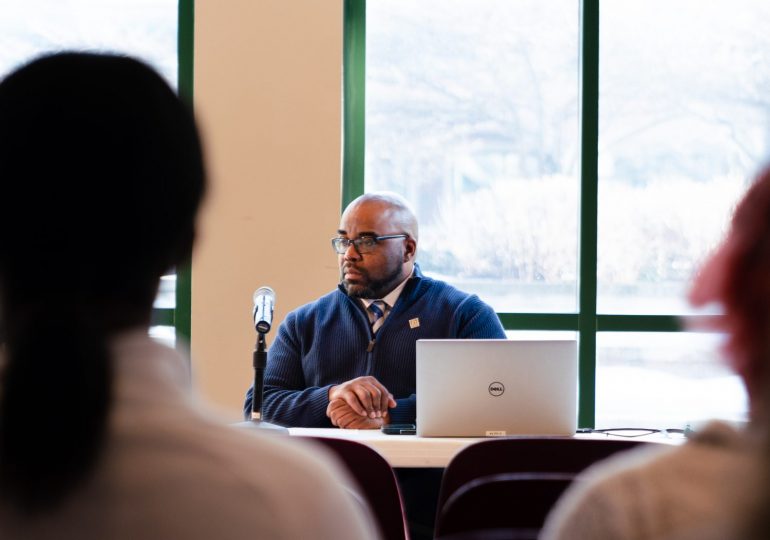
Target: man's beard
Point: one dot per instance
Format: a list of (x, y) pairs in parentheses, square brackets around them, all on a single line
[(372, 289)]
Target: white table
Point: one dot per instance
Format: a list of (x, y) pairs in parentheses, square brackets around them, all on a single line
[(399, 450), (413, 451)]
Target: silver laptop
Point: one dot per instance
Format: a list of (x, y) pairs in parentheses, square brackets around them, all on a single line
[(496, 387)]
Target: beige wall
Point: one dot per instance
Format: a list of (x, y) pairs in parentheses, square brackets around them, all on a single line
[(268, 97)]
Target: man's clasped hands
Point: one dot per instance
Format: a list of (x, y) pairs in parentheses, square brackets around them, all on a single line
[(360, 403)]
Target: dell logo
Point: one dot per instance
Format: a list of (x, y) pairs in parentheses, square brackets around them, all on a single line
[(496, 389)]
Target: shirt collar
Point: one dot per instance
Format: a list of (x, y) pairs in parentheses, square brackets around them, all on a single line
[(390, 298)]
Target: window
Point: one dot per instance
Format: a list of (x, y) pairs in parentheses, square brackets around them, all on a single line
[(572, 167), (152, 30)]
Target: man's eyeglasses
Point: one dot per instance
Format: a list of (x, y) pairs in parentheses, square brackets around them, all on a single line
[(362, 244)]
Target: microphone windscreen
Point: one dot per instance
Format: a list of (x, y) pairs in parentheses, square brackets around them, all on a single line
[(264, 291)]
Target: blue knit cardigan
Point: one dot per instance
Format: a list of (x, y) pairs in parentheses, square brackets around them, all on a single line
[(329, 341)]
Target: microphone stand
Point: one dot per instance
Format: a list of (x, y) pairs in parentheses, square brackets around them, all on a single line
[(259, 360)]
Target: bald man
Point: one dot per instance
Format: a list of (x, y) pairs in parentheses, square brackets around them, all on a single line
[(348, 359)]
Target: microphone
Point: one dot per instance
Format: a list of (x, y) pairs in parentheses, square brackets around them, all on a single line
[(264, 300)]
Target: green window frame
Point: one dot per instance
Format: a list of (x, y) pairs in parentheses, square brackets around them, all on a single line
[(586, 322), (180, 316)]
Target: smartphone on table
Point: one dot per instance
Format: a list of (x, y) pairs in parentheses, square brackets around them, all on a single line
[(399, 429)]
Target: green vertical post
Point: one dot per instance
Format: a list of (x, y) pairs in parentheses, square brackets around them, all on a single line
[(185, 44), (589, 138), (354, 99)]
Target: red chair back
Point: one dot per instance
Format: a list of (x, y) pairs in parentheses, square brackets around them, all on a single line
[(504, 505), (518, 480), (377, 482)]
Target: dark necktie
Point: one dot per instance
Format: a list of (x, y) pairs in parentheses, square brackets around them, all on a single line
[(377, 309)]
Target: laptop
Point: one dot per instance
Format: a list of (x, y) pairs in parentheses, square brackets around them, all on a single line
[(496, 387)]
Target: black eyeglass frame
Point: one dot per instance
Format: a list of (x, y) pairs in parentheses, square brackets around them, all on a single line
[(345, 243)]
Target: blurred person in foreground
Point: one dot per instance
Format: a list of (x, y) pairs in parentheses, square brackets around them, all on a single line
[(709, 486), (101, 177)]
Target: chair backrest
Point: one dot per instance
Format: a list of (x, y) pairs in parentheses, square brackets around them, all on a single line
[(510, 505), (477, 465), (377, 482), (525, 454)]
